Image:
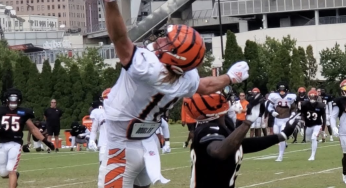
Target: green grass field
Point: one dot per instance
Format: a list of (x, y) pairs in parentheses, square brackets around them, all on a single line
[(79, 169)]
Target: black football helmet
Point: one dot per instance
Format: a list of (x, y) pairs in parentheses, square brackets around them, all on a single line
[(282, 88), (13, 98)]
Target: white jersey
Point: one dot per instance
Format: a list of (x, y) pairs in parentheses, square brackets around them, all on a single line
[(98, 118), (140, 94), (284, 102)]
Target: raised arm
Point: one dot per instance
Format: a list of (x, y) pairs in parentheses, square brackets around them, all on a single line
[(117, 32)]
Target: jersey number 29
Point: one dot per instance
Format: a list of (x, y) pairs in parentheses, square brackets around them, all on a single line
[(11, 122)]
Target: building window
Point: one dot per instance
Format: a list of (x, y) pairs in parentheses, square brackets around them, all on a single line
[(38, 7)]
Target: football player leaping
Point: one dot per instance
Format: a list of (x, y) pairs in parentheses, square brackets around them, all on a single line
[(339, 111), (151, 81), (314, 115), (98, 126), (13, 119), (282, 107)]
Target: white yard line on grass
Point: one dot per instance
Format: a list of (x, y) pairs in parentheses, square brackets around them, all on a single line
[(70, 166), (50, 156), (291, 177)]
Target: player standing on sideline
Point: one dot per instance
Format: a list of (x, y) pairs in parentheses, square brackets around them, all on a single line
[(314, 115), (52, 117), (282, 107), (339, 111), (13, 118), (98, 126), (256, 127), (301, 98), (328, 101), (151, 81), (216, 152)]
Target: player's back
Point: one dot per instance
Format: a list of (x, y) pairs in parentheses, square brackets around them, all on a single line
[(208, 171), (13, 122), (140, 93)]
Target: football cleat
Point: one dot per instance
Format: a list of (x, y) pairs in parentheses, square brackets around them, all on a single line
[(331, 139), (311, 158), (185, 144), (279, 159)]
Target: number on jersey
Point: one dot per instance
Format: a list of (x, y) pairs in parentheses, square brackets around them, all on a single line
[(282, 103), (238, 160), (299, 105), (311, 116), (324, 101), (11, 122)]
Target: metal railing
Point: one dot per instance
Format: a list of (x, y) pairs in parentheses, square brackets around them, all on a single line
[(328, 20), (249, 7)]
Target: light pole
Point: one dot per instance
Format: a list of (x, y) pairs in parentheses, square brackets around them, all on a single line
[(220, 25)]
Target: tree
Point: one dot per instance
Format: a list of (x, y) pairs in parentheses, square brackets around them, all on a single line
[(22, 75), (62, 92), (204, 69), (304, 64), (110, 76), (333, 63), (91, 86), (311, 63), (276, 72), (256, 69), (77, 94), (297, 75), (233, 52), (33, 92), (7, 75), (45, 81)]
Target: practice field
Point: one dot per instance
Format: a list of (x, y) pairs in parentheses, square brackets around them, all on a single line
[(79, 169)]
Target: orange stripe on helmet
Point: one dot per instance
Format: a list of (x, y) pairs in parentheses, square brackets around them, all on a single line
[(301, 89), (187, 47), (201, 107)]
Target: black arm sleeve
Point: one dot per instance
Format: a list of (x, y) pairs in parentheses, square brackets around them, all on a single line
[(251, 145)]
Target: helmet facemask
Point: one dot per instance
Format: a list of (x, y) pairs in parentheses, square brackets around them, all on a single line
[(343, 91), (13, 101), (282, 90)]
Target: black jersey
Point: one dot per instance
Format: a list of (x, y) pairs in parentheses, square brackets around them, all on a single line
[(313, 113), (299, 101), (208, 171), (326, 99), (12, 123), (341, 104), (41, 127), (79, 130)]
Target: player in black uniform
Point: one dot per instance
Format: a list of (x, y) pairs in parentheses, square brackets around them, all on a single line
[(37, 143), (301, 98), (80, 134), (215, 151), (339, 111), (13, 119), (327, 100), (314, 115)]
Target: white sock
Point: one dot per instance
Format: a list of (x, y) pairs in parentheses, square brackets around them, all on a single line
[(313, 147), (282, 147)]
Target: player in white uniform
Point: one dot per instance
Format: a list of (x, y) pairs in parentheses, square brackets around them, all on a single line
[(339, 111), (152, 80), (282, 107), (256, 126), (98, 126)]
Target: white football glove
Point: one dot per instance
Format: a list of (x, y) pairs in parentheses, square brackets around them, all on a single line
[(274, 114), (238, 72), (92, 145)]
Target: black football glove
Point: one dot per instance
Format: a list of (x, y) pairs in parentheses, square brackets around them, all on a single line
[(49, 144), (254, 101), (289, 128)]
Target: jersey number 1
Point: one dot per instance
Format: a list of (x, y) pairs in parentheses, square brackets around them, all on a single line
[(11, 122)]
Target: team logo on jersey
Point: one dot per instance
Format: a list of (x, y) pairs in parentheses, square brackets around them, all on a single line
[(317, 109), (21, 113), (288, 98), (151, 153)]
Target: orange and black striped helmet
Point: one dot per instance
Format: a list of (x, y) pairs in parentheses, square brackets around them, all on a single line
[(301, 90), (105, 93), (202, 107), (186, 48)]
